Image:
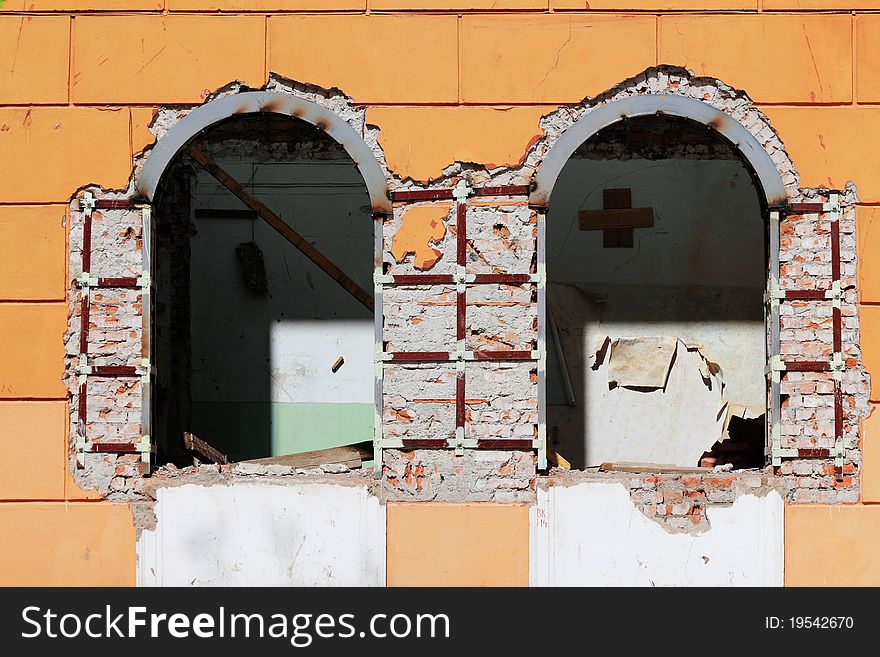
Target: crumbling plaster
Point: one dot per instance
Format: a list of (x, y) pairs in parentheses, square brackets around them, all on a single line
[(102, 470), (592, 533)]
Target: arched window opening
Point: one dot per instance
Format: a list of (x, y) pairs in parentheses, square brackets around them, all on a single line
[(657, 268), (263, 326)]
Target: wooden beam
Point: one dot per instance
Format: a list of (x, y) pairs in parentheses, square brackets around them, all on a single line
[(652, 468), (350, 455), (202, 450), (263, 211), (620, 218)]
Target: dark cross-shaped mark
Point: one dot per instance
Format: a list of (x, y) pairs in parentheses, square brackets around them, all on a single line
[(617, 218)]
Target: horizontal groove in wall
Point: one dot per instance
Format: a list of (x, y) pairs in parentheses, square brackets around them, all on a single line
[(59, 500), (430, 12)]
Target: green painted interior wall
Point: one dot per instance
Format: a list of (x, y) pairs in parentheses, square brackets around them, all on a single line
[(248, 430)]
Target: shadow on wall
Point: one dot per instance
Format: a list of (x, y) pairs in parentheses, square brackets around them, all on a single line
[(259, 352), (656, 293)]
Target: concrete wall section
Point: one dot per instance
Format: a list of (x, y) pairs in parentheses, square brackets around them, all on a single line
[(258, 534), (591, 534)]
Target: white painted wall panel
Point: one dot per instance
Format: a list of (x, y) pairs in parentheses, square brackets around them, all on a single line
[(261, 534), (591, 534)]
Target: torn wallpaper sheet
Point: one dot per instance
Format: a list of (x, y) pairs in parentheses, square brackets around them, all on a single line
[(708, 368), (641, 362)]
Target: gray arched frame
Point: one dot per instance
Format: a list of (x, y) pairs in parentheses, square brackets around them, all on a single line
[(250, 102), (654, 104)]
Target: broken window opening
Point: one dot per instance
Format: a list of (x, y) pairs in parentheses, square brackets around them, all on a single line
[(656, 330), (263, 329)]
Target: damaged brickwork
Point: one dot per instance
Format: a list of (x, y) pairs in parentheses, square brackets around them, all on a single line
[(113, 404), (502, 398), (805, 416), (477, 476), (808, 416), (145, 489), (678, 502)]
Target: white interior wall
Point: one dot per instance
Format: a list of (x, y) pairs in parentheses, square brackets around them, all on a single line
[(697, 275), (306, 314), (262, 363)]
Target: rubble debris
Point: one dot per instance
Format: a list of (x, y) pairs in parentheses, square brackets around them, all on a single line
[(557, 460), (742, 440)]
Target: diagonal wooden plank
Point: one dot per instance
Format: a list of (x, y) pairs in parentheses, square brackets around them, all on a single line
[(202, 450), (263, 211)]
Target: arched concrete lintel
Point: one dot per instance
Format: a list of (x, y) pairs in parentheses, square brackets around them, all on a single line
[(252, 102), (656, 104)]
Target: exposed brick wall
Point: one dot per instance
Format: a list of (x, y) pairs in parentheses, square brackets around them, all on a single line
[(501, 398), (477, 476), (806, 334)]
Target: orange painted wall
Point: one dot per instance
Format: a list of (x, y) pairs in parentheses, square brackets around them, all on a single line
[(832, 546), (67, 544), (445, 80), (870, 477), (431, 544), (868, 281)]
